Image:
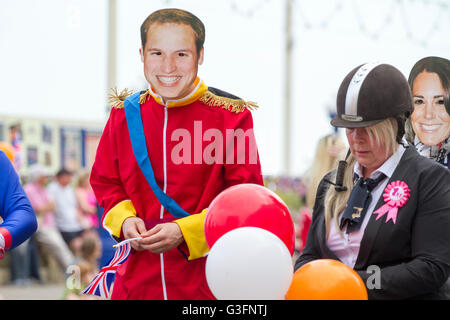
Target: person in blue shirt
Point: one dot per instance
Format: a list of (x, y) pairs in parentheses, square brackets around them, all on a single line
[(19, 219)]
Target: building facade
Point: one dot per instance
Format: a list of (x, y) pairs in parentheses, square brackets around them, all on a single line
[(51, 142)]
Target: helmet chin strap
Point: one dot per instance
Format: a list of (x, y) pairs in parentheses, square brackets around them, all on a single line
[(342, 166)]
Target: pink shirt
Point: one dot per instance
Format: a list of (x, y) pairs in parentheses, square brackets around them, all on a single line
[(346, 246), (39, 197), (87, 196)]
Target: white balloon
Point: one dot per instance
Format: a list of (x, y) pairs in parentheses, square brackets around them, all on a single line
[(249, 263)]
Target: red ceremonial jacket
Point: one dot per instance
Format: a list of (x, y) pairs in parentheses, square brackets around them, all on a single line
[(196, 149)]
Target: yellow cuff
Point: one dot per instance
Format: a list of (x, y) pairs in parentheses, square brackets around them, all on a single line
[(194, 234), (115, 217)]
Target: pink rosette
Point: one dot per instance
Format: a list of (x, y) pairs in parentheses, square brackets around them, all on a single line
[(396, 194)]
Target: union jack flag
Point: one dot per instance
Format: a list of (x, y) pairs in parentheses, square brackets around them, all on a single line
[(101, 284)]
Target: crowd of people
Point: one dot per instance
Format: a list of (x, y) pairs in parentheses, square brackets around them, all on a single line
[(67, 226)]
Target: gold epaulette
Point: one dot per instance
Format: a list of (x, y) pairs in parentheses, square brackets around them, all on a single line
[(116, 99), (233, 105)]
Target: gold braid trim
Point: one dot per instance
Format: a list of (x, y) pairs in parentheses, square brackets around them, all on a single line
[(143, 97), (116, 99), (233, 105)]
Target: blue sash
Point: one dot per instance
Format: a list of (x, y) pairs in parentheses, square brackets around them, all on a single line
[(136, 131)]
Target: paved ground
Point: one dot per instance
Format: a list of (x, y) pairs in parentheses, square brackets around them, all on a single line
[(33, 292)]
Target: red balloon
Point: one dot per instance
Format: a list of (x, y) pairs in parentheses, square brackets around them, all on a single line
[(249, 205)]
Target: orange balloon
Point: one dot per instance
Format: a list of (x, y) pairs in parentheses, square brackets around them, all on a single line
[(326, 279), (8, 150)]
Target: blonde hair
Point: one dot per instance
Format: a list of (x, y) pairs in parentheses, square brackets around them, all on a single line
[(383, 133), (83, 176), (325, 160)]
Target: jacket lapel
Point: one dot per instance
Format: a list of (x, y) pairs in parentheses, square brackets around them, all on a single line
[(373, 225), (322, 233)]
